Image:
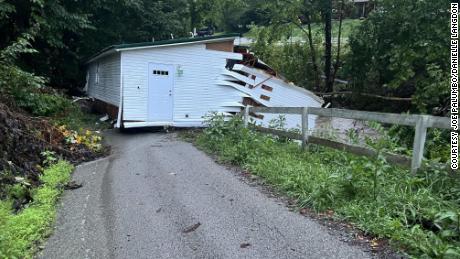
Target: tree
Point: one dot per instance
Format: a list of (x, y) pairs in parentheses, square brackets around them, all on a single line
[(68, 32), (400, 50), (301, 14), (223, 15), (326, 13)]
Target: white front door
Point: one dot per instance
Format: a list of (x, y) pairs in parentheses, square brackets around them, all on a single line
[(161, 84)]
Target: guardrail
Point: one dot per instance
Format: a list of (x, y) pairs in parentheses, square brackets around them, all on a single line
[(420, 122)]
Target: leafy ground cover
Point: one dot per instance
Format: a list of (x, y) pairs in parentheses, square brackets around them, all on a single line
[(418, 213), (21, 231)]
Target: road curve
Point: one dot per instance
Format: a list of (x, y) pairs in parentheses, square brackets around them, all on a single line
[(159, 197)]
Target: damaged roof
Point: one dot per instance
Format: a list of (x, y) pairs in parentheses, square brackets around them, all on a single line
[(179, 41)]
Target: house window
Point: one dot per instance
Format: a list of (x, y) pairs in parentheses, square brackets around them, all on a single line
[(97, 73)]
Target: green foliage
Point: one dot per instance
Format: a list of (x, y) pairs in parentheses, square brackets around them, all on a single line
[(401, 50), (17, 191), (291, 58), (419, 213), (437, 144), (76, 119), (59, 35), (24, 86), (286, 48), (41, 104), (49, 157), (223, 15), (11, 75), (20, 233), (90, 139)]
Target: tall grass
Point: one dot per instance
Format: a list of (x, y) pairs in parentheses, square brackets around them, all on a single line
[(418, 213)]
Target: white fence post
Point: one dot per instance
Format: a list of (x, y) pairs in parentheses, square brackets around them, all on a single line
[(304, 127), (246, 116), (419, 143)]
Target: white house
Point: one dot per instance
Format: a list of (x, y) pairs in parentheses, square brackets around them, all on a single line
[(177, 82)]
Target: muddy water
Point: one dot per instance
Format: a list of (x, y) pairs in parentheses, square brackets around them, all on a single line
[(344, 130)]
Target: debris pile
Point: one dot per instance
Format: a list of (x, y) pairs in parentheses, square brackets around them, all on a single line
[(23, 141)]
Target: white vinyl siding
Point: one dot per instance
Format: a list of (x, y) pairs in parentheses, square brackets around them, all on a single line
[(104, 79), (196, 92), (283, 94), (202, 84)]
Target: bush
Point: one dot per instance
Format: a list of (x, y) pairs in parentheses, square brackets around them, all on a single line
[(419, 213), (41, 104)]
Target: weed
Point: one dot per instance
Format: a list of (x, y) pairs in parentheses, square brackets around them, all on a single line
[(75, 119), (89, 138), (49, 157)]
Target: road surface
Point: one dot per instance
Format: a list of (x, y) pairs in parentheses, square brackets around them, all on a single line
[(159, 197)]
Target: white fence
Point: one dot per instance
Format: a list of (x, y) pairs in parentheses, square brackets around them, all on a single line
[(420, 122)]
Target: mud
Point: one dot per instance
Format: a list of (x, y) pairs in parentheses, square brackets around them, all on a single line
[(23, 138)]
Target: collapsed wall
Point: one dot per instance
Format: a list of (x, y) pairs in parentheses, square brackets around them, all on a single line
[(265, 87)]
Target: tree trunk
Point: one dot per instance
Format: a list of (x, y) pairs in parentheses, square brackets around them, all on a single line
[(337, 59), (327, 15), (313, 54), (193, 15)]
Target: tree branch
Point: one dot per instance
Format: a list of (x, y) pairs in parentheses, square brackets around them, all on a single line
[(388, 98), (312, 50)]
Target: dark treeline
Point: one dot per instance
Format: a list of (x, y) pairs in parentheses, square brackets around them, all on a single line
[(51, 38), (398, 51)]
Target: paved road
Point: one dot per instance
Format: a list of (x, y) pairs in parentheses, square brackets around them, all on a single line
[(147, 198)]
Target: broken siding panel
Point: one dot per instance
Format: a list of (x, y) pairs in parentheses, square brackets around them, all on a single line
[(262, 76), (104, 79), (91, 79), (286, 96), (196, 92), (221, 46), (274, 92)]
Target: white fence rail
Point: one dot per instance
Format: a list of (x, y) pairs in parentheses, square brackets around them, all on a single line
[(420, 122)]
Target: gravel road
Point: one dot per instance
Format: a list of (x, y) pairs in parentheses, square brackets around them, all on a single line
[(159, 197)]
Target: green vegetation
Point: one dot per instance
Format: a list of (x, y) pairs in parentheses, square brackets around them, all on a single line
[(418, 213), (41, 104), (389, 54), (348, 25), (21, 232), (400, 50), (396, 54), (291, 56), (48, 41)]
